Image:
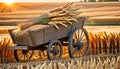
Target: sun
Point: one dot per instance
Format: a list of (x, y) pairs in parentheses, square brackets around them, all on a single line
[(9, 1)]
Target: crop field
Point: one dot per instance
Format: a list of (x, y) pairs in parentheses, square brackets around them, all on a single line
[(95, 12), (104, 40)]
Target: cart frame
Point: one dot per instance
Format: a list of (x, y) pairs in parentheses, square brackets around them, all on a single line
[(50, 37)]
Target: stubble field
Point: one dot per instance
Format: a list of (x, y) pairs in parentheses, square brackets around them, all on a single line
[(94, 12)]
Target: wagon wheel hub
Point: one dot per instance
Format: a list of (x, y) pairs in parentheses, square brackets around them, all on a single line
[(80, 44), (24, 51), (55, 50)]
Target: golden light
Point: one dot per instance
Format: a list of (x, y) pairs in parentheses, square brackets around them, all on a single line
[(9, 1)]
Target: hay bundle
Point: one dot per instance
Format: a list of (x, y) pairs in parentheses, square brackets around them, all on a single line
[(60, 15)]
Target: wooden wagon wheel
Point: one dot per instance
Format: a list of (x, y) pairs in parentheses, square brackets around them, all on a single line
[(54, 50), (23, 55), (78, 45)]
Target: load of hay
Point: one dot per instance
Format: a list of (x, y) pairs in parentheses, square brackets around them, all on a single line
[(62, 16), (59, 15)]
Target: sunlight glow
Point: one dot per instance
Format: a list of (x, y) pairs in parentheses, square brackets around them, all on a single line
[(9, 1)]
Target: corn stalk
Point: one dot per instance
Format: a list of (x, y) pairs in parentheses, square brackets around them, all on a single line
[(5, 55), (104, 42), (90, 62), (59, 15)]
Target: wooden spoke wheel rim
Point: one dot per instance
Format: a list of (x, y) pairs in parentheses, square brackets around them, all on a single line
[(78, 45), (23, 55), (54, 50)]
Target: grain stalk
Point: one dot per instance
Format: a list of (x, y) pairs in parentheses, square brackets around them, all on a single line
[(65, 13)]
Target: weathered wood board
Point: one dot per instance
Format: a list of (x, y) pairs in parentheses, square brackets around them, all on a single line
[(41, 34)]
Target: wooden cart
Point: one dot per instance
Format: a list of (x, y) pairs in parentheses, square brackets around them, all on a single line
[(47, 37)]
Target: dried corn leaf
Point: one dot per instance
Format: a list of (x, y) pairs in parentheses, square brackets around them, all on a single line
[(38, 66), (59, 65), (55, 15), (61, 23), (61, 8), (55, 66), (43, 66), (50, 66), (23, 26), (53, 23), (97, 43)]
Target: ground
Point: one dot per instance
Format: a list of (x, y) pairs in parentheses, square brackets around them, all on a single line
[(94, 12)]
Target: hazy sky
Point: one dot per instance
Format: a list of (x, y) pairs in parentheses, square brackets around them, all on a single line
[(42, 0)]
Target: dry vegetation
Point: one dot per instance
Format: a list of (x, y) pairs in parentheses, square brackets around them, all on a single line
[(101, 42), (5, 55), (91, 62), (105, 42), (95, 11), (103, 45)]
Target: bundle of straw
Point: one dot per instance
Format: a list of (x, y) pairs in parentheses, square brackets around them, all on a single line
[(59, 15)]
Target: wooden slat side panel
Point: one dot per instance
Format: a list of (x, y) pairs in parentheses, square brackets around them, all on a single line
[(37, 37), (23, 39), (53, 33)]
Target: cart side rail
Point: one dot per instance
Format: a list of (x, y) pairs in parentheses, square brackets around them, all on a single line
[(11, 35)]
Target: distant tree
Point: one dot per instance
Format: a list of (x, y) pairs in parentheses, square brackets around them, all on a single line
[(92, 0), (100, 0), (106, 0)]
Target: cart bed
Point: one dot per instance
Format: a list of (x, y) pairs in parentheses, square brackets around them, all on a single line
[(41, 34)]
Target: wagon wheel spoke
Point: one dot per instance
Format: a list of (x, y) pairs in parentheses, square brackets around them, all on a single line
[(81, 52), (53, 56), (56, 44), (78, 35), (77, 52), (51, 53), (20, 54), (74, 50), (27, 56), (29, 52), (54, 51), (78, 41), (75, 36), (23, 55), (81, 36), (74, 44)]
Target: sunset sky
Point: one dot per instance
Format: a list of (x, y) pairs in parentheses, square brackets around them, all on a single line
[(40, 0)]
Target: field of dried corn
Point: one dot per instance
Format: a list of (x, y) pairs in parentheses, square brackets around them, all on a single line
[(104, 41), (104, 53)]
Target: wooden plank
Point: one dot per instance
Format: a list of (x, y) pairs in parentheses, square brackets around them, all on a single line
[(17, 47)]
